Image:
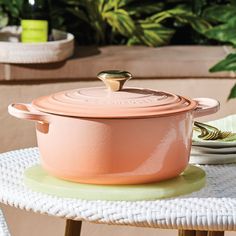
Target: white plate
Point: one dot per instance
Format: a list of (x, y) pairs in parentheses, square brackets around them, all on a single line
[(212, 158), (219, 150), (217, 144), (225, 124)]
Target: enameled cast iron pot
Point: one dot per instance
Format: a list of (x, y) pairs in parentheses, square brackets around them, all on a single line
[(114, 135)]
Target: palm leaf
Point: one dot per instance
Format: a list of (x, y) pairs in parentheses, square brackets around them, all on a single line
[(219, 13), (183, 15), (151, 34), (144, 8), (120, 21), (198, 24), (232, 93), (170, 13), (223, 33), (227, 64), (109, 5), (101, 5)]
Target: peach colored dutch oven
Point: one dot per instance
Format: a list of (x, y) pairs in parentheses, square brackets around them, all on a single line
[(114, 135)]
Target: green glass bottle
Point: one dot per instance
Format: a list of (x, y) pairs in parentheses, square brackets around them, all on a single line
[(35, 21)]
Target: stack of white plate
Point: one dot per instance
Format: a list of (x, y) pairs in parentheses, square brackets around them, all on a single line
[(215, 151)]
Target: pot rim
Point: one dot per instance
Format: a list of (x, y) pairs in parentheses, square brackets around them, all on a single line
[(146, 112), (200, 107)]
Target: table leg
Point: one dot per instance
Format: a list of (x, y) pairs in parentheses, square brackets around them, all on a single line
[(216, 233), (73, 228), (187, 233), (200, 233)]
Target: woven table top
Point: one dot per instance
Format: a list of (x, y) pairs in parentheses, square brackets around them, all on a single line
[(212, 208)]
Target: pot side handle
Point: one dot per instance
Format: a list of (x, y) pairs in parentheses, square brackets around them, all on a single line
[(206, 106), (26, 112)]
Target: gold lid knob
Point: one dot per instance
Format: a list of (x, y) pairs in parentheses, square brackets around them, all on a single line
[(114, 79)]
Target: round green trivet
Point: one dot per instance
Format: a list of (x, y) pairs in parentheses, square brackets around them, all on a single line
[(192, 179)]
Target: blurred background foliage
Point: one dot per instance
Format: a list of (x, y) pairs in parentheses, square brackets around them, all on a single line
[(134, 22), (150, 22)]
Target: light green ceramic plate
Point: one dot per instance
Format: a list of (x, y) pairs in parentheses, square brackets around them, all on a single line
[(192, 179), (225, 124)]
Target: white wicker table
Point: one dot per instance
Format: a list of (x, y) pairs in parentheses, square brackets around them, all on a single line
[(209, 211)]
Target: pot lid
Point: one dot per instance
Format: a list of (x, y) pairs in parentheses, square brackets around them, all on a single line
[(113, 101)]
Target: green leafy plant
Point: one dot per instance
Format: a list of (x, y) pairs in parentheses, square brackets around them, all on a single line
[(149, 22), (131, 22), (102, 22), (3, 18), (9, 12), (224, 31)]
